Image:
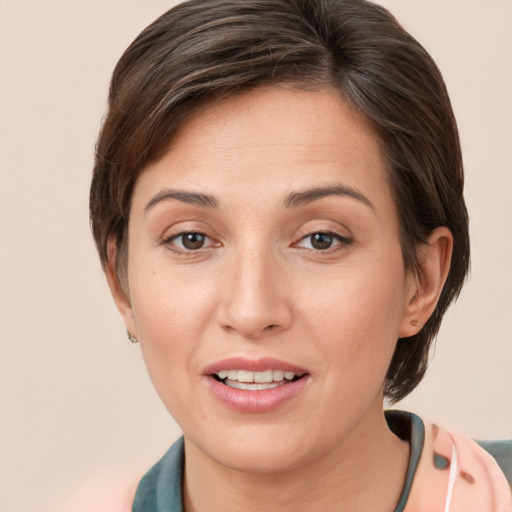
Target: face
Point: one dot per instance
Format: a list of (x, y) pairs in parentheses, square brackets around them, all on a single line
[(266, 280)]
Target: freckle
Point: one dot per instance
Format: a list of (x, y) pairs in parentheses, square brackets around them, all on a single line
[(441, 462), (466, 476)]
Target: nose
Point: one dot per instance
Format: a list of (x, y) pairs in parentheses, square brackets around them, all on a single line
[(255, 296)]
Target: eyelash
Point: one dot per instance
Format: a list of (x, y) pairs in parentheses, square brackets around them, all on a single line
[(335, 237), (170, 242)]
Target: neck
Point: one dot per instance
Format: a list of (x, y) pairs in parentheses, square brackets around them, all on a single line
[(365, 471)]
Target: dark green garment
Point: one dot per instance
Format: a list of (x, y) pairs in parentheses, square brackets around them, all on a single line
[(161, 488), (502, 452)]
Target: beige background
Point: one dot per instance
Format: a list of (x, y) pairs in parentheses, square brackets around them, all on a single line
[(75, 401)]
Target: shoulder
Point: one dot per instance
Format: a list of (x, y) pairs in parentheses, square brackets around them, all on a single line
[(160, 489), (475, 478), (428, 433), (501, 451), (450, 470)]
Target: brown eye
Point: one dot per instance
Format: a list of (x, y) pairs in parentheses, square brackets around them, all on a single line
[(193, 241), (190, 241), (321, 241)]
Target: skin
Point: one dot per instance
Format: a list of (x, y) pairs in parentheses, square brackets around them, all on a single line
[(259, 287)]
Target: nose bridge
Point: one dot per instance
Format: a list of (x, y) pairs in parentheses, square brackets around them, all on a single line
[(255, 300)]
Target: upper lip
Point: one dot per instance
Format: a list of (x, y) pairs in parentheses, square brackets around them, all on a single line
[(253, 365)]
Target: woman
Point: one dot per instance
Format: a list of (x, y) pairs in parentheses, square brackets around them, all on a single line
[(277, 203)]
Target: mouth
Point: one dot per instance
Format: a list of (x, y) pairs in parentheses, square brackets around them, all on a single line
[(256, 380), (256, 385)]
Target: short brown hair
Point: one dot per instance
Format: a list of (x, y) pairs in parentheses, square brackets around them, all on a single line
[(202, 50)]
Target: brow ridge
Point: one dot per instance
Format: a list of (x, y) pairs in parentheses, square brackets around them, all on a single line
[(314, 194), (194, 198), (291, 200)]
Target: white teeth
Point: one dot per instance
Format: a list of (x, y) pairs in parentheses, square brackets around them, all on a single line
[(232, 374), (263, 376), (278, 375), (253, 386), (246, 376)]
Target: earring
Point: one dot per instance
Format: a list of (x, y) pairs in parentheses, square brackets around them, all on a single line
[(415, 323), (131, 337)]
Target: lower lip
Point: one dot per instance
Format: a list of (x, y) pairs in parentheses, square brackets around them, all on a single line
[(263, 400)]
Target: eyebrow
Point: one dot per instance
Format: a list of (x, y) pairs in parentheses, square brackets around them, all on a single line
[(194, 198), (314, 194), (291, 200)]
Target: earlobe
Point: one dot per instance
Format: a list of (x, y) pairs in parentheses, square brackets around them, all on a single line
[(120, 295), (426, 285)]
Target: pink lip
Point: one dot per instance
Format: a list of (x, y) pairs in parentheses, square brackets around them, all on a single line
[(260, 401), (256, 365)]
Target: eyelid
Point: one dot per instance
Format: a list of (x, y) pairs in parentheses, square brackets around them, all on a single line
[(180, 227), (181, 232), (342, 240), (169, 241)]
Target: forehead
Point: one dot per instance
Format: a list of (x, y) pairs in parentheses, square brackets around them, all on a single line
[(282, 137)]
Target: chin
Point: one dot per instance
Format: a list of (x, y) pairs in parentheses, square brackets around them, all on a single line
[(264, 460), (270, 449)]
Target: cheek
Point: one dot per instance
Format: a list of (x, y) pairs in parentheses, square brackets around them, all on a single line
[(168, 298), (355, 319), (172, 311), (363, 300)]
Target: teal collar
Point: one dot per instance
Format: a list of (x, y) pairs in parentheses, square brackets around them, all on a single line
[(161, 488)]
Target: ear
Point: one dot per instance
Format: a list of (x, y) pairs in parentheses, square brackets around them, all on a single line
[(119, 293), (426, 285)]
